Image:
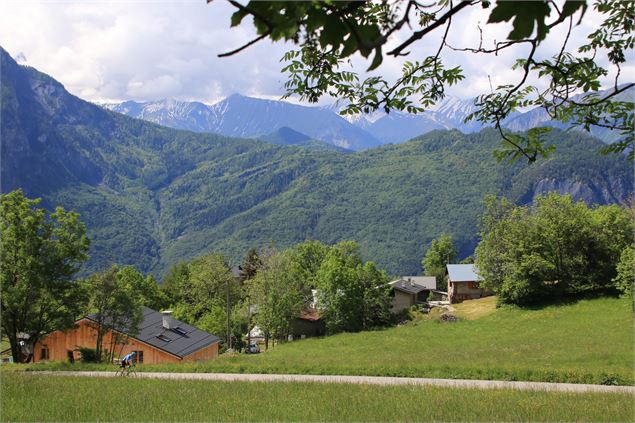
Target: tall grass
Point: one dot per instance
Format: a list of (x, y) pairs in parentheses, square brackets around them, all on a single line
[(27, 397), (587, 342)]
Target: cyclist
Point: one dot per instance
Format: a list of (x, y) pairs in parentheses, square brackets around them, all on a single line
[(126, 361)]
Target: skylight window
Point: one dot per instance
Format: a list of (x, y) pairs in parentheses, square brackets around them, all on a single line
[(163, 338), (179, 331)]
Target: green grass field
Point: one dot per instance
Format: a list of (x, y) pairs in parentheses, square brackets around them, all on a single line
[(590, 341), (27, 397)]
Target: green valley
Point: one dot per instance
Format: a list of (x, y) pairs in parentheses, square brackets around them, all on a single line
[(153, 196)]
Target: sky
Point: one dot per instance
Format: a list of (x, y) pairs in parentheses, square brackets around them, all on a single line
[(109, 51)]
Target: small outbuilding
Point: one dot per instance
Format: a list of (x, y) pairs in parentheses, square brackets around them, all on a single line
[(464, 283), (411, 290), (161, 339), (308, 324)]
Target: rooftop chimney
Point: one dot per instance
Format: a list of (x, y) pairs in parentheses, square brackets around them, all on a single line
[(168, 320)]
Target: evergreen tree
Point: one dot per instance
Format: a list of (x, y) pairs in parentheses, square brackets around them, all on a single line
[(251, 265)]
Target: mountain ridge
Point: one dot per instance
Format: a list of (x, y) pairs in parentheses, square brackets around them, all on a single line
[(247, 117), (152, 196), (376, 129)]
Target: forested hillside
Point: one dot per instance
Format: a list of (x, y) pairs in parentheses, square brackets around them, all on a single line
[(152, 196)]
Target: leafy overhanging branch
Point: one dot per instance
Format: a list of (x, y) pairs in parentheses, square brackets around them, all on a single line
[(329, 33)]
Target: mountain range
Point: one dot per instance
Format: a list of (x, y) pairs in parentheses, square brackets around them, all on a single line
[(248, 117), (152, 196)]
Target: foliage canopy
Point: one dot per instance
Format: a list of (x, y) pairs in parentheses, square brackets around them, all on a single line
[(440, 253), (40, 253), (553, 250), (328, 34)]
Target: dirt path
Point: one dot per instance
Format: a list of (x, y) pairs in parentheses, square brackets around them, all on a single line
[(372, 380)]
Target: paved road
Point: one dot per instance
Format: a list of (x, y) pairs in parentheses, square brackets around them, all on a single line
[(372, 380)]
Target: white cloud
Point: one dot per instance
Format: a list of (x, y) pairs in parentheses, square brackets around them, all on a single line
[(145, 50)]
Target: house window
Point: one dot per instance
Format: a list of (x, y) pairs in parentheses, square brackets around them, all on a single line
[(473, 285), (44, 353), (139, 357)]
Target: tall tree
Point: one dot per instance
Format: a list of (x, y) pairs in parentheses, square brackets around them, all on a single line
[(328, 34), (249, 270), (40, 253), (115, 299), (204, 292), (175, 286), (439, 254), (277, 295), (251, 265), (375, 296), (557, 248), (352, 296), (147, 289)]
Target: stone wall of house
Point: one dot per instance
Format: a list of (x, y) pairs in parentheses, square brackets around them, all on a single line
[(401, 301)]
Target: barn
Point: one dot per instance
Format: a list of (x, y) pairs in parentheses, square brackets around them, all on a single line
[(161, 339)]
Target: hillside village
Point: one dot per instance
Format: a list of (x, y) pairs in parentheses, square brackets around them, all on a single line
[(160, 338), (338, 211)]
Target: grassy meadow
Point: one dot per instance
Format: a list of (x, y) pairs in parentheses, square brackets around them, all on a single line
[(28, 397), (590, 341)]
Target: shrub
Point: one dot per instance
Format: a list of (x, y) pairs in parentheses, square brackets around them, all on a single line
[(88, 355), (625, 272)]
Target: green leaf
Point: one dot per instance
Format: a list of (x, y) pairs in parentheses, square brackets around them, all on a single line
[(350, 46), (376, 60), (570, 7), (237, 17), (526, 15)]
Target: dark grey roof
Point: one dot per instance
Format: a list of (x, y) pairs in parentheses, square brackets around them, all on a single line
[(414, 284), (181, 341)]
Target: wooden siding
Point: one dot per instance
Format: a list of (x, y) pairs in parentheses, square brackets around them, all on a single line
[(59, 343), (461, 291), (208, 353)]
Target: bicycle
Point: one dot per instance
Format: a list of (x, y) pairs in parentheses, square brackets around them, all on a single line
[(126, 371)]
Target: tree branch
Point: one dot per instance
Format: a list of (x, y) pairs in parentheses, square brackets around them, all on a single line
[(420, 34), (250, 43), (256, 15)]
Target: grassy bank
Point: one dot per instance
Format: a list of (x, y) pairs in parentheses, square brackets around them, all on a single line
[(44, 398), (587, 342)]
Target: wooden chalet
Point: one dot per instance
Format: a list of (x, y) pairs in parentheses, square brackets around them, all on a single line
[(161, 339), (464, 283)]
